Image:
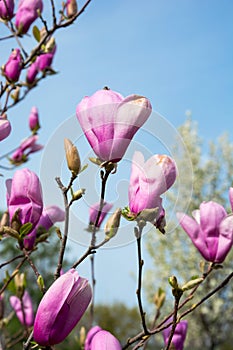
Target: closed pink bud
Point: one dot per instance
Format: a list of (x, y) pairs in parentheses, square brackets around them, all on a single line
[(13, 67), (26, 14), (61, 308), (90, 336), (99, 339), (179, 336), (44, 61), (24, 194), (23, 309), (110, 121), (149, 179), (211, 230), (34, 124), (5, 127), (32, 73), (6, 9)]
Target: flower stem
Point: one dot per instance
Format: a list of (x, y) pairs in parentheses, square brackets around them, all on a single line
[(138, 234)]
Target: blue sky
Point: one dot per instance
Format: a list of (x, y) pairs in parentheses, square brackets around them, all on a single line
[(177, 53)]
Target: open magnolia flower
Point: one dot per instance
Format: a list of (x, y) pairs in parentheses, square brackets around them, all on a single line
[(211, 230), (148, 181), (110, 121)]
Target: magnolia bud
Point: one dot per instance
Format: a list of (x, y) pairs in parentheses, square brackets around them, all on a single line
[(50, 45), (191, 284), (159, 298), (113, 224), (96, 161), (173, 282), (71, 8), (20, 283), (82, 336), (78, 194), (72, 157), (40, 283), (4, 219), (16, 93)]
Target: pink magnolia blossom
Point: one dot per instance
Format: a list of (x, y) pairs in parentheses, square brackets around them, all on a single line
[(6, 9), (110, 121), (149, 179), (93, 212), (5, 127), (32, 72), (99, 339), (50, 215), (211, 230), (23, 309), (44, 61), (26, 147), (26, 14), (33, 121), (179, 336), (61, 308), (13, 67), (24, 194)]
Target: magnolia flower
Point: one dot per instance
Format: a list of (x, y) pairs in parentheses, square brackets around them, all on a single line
[(99, 339), (23, 309), (26, 147), (179, 335), (32, 72), (24, 195), (61, 308), (26, 14), (50, 215), (149, 179), (110, 121), (6, 9), (33, 121), (5, 127), (13, 67), (93, 212), (211, 230)]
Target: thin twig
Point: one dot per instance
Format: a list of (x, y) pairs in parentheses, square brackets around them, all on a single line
[(138, 234), (104, 178), (176, 308), (140, 336), (66, 227), (11, 260)]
